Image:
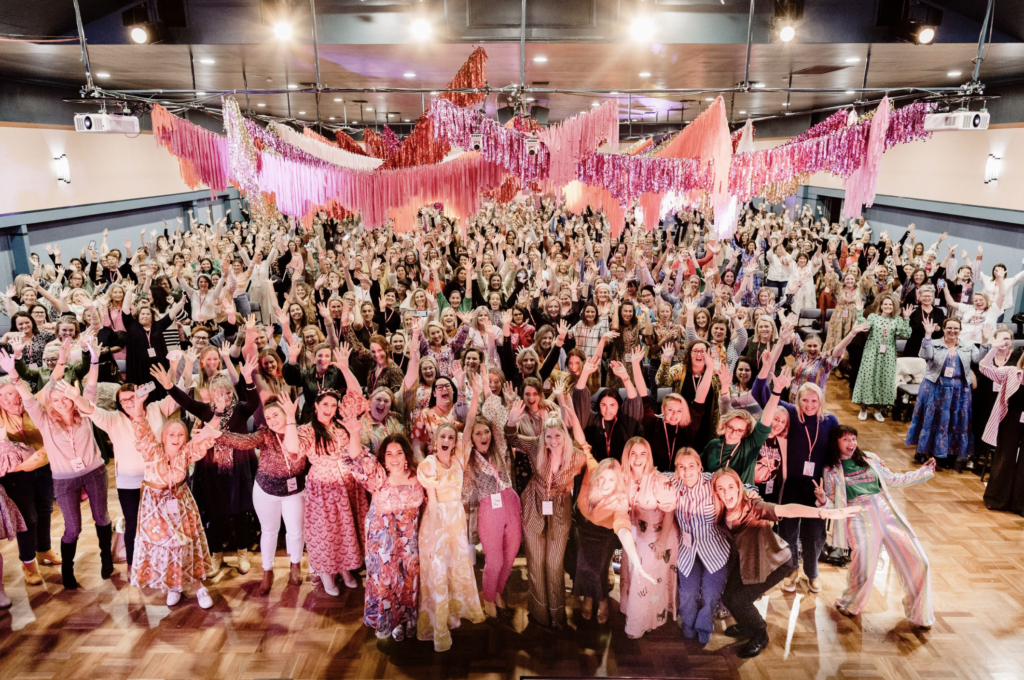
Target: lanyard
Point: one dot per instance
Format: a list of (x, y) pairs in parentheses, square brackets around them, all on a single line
[(490, 469), (672, 445), (721, 453), (810, 444), (320, 385), (284, 454), (608, 437), (149, 340)]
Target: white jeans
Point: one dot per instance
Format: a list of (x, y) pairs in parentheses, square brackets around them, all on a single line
[(270, 510)]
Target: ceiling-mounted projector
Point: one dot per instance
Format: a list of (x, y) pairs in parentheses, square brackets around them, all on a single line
[(956, 120), (106, 123)]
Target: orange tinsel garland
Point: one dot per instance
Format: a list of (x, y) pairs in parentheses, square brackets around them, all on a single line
[(375, 145), (419, 148), (348, 144), (472, 75)]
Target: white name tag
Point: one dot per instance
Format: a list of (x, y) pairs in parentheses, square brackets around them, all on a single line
[(769, 485), (34, 367), (292, 485), (1022, 417), (881, 349), (151, 352), (846, 313), (496, 502), (687, 540), (948, 372), (547, 508), (809, 469), (172, 506), (77, 465), (995, 387)]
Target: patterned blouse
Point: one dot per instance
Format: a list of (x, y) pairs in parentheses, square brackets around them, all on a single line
[(160, 471), (33, 352), (388, 498), (275, 466), (327, 464), (447, 354), (484, 477), (391, 377)]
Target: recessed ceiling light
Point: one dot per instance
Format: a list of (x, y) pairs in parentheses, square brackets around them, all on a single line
[(953, 74), (540, 59), (530, 99), (102, 74), (709, 99), (330, 118), (369, 108), (645, 74), (852, 60), (292, 86), (850, 92), (201, 94), (207, 61), (338, 99), (302, 113), (758, 85), (261, 105), (433, 93), (407, 120), (409, 74), (595, 103), (743, 113), (613, 93), (785, 103)]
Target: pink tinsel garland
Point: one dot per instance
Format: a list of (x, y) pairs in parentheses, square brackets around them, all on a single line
[(202, 155), (860, 186), (500, 145), (627, 177), (574, 139)]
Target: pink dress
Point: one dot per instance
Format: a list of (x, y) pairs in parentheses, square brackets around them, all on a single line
[(12, 454), (336, 508)]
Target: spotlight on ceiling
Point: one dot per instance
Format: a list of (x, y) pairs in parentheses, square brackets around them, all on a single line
[(144, 24), (785, 16), (421, 29), (146, 34), (912, 21), (642, 29)]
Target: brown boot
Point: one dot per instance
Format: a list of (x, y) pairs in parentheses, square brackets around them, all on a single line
[(32, 576), (48, 557), (295, 574), (268, 581)]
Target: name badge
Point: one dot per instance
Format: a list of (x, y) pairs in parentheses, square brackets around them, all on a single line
[(687, 540), (292, 485), (1022, 417), (995, 387), (496, 502), (151, 352), (172, 506), (948, 372), (34, 367), (77, 465), (881, 349), (547, 508), (769, 486), (809, 469)]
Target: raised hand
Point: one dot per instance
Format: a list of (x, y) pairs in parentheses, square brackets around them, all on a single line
[(250, 366), (782, 380), (209, 431), (516, 413), (668, 352), (7, 363), (162, 376), (908, 310), (508, 392), (619, 370), (819, 491), (341, 355)]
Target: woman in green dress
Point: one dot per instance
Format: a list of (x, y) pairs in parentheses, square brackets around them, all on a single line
[(876, 377)]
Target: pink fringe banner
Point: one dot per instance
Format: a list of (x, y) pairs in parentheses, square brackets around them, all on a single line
[(202, 155), (578, 137), (860, 186)]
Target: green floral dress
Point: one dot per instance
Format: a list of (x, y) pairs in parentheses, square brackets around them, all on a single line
[(876, 376)]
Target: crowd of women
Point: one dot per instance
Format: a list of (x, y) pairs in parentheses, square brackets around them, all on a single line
[(522, 379)]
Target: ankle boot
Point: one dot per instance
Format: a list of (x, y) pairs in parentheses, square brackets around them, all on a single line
[(67, 567), (32, 575), (295, 574), (105, 535)]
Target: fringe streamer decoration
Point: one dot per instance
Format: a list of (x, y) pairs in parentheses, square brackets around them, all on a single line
[(471, 76), (578, 196), (391, 142), (419, 148), (628, 177), (375, 145), (202, 155), (348, 144), (326, 152), (860, 186), (578, 137)]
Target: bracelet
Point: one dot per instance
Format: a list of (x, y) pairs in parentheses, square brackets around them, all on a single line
[(777, 394)]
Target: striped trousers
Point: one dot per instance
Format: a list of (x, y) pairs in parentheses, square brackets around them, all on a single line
[(545, 554), (867, 532)]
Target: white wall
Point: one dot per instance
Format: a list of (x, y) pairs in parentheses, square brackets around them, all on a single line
[(103, 168)]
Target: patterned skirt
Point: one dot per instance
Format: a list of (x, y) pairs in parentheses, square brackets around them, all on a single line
[(392, 570), (170, 546), (331, 526), (11, 521), (941, 425)]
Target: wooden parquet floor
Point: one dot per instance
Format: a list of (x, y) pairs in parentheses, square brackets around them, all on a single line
[(108, 629)]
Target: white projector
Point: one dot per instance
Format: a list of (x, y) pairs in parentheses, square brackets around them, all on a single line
[(106, 122), (956, 120)]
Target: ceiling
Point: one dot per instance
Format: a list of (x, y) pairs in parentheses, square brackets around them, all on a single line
[(708, 59)]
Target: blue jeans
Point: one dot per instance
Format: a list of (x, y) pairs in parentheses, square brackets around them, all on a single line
[(699, 594), (807, 536)]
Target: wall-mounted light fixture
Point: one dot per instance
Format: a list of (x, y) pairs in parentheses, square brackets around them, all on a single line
[(992, 167), (63, 169)]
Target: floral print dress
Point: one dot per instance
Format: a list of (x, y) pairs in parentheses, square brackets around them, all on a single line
[(448, 591), (392, 548)]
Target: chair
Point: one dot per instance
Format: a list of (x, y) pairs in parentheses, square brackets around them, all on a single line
[(906, 400), (814, 315), (254, 307), (901, 346)]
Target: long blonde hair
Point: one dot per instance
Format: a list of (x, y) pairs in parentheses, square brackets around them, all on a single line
[(618, 500), (720, 509), (567, 444), (627, 466)]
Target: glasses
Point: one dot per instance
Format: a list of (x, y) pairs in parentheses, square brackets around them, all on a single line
[(443, 386), (736, 430)]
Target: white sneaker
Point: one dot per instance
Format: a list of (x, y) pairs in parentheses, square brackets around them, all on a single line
[(879, 417), (789, 583), (329, 587), (173, 597), (205, 601), (863, 415)]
